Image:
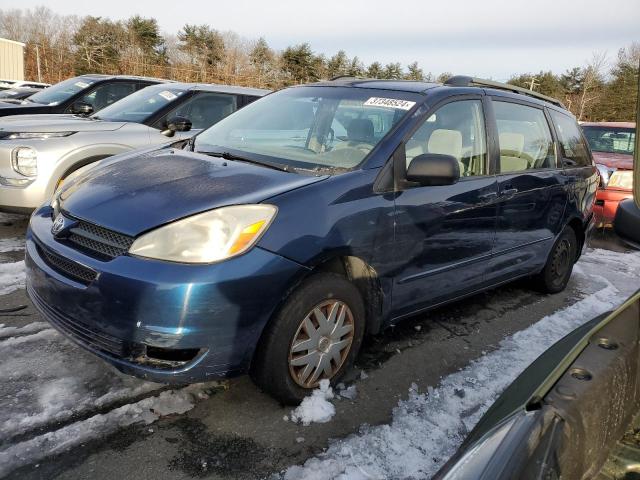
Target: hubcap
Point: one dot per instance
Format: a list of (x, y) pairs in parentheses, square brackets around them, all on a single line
[(321, 343)]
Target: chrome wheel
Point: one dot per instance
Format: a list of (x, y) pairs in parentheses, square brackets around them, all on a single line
[(321, 343)]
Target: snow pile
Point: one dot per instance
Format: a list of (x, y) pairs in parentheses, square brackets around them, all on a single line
[(316, 408), (12, 277), (11, 244), (35, 327), (350, 392), (145, 411), (428, 427)]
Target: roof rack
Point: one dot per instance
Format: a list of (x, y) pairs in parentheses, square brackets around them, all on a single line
[(465, 81)]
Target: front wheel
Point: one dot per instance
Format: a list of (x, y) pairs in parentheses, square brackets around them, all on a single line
[(556, 273), (315, 336)]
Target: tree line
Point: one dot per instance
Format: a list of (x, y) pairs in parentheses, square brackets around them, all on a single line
[(61, 46)]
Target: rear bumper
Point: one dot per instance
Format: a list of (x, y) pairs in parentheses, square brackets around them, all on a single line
[(607, 201), (132, 303)]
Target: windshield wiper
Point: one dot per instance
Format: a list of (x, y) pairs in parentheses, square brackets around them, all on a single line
[(232, 156)]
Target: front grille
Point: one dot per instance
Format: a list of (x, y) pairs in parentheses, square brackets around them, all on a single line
[(88, 335), (67, 267), (99, 240)]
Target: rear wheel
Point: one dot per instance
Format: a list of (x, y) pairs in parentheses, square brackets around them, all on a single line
[(315, 336), (556, 273)]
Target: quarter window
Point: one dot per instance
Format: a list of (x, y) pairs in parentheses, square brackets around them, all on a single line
[(574, 150), (524, 137), (455, 129)]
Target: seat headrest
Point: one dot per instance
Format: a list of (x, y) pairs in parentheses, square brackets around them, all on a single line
[(360, 130), (446, 142), (512, 141)]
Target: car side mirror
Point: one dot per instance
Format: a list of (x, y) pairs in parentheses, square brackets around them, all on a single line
[(177, 124), (82, 108), (432, 169)]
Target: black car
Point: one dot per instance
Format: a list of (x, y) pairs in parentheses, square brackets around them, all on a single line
[(80, 95), (17, 95)]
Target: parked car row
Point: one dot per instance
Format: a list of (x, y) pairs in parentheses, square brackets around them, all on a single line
[(269, 241)]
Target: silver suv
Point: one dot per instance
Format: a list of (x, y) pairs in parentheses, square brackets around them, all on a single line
[(37, 152)]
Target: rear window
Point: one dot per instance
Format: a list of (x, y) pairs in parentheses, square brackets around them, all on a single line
[(574, 149)]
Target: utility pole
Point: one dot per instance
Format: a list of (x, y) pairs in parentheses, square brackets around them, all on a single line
[(534, 83), (38, 63)]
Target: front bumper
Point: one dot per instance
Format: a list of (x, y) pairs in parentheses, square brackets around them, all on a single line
[(218, 310), (607, 201)]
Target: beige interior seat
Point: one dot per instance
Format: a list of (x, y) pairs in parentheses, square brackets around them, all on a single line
[(511, 147), (447, 142)]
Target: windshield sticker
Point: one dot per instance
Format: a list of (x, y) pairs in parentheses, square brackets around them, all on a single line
[(12, 93), (389, 103), (82, 84), (167, 95)]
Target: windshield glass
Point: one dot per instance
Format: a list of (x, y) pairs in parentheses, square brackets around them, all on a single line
[(610, 139), (310, 127), (139, 106), (61, 91), (15, 93)]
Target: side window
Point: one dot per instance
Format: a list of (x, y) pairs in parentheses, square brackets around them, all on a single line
[(524, 137), (107, 93), (206, 108), (574, 150), (455, 129)]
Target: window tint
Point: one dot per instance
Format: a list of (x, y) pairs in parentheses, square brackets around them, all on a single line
[(524, 137), (206, 109), (108, 93), (456, 129), (574, 150)]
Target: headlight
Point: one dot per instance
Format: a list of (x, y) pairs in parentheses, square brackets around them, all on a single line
[(207, 237), (24, 160), (622, 179), (32, 135)]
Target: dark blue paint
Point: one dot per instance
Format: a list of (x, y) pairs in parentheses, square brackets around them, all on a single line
[(426, 245)]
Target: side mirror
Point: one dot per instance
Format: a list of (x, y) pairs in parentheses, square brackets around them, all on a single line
[(82, 108), (177, 124), (432, 169)]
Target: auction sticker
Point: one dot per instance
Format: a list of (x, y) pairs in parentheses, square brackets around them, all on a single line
[(167, 95), (82, 84), (389, 103)]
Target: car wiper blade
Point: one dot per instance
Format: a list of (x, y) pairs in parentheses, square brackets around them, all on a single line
[(233, 156)]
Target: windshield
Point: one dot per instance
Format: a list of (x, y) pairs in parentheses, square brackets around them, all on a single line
[(610, 139), (310, 127), (61, 91), (139, 106)]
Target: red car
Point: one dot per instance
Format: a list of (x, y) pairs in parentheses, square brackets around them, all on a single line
[(612, 146)]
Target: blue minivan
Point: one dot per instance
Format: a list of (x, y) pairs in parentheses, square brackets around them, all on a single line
[(276, 239)]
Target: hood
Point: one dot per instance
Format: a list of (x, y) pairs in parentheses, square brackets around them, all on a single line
[(55, 123), (138, 193), (614, 160)]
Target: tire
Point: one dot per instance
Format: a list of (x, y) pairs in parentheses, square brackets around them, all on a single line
[(556, 273), (283, 371)]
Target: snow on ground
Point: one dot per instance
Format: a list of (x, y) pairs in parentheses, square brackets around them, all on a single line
[(428, 427), (11, 244), (12, 277), (315, 408)]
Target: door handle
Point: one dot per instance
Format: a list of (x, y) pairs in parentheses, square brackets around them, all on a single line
[(508, 192)]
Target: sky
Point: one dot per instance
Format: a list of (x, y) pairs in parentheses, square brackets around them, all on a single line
[(489, 38)]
